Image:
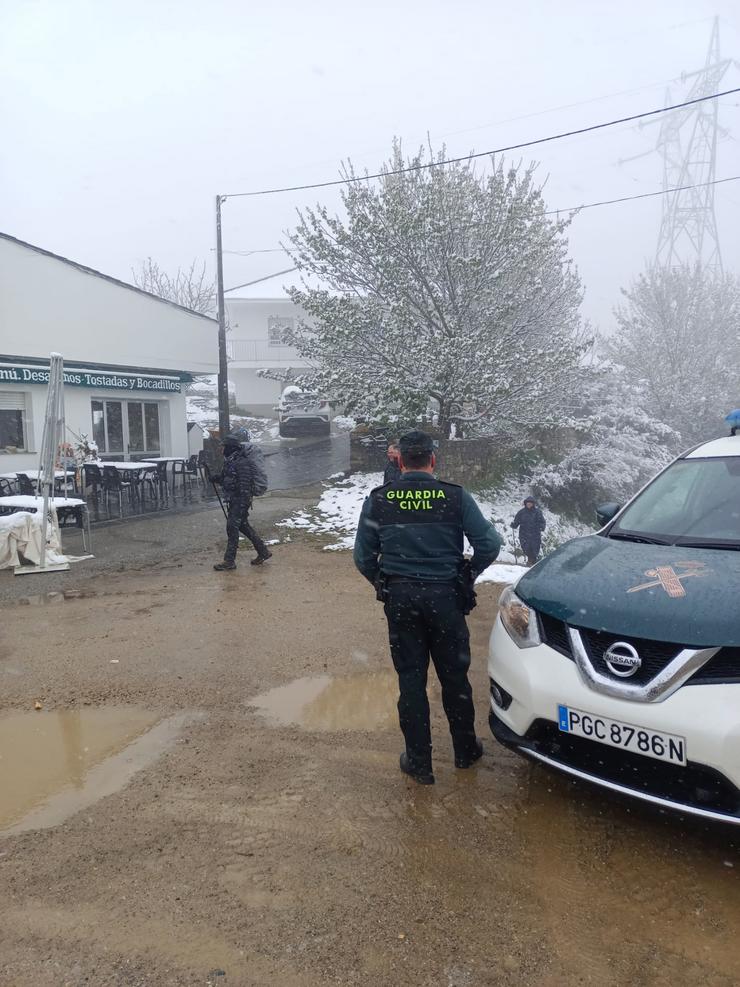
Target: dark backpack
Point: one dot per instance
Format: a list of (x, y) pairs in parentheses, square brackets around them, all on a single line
[(259, 474)]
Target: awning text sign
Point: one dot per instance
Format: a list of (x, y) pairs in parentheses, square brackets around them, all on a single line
[(90, 378)]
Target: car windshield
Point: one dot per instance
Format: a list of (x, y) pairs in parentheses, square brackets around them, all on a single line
[(694, 502)]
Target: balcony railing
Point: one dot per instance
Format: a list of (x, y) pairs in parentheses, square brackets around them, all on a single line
[(260, 351)]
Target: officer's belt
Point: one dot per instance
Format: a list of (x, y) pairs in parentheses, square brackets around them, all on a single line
[(418, 580)]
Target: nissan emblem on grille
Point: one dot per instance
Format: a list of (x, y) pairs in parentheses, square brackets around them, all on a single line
[(622, 659)]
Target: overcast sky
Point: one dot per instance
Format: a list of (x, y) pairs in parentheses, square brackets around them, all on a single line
[(122, 120)]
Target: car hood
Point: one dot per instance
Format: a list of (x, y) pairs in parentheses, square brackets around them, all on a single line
[(663, 592)]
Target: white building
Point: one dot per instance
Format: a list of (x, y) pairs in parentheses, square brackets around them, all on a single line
[(127, 358), (256, 341)]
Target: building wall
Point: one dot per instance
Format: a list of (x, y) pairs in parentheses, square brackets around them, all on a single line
[(78, 419), (49, 305), (257, 395), (252, 348)]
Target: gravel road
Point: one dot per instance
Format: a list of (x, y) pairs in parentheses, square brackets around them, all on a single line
[(258, 851)]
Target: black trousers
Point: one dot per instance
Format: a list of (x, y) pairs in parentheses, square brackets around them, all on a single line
[(237, 521), (531, 547), (425, 621)]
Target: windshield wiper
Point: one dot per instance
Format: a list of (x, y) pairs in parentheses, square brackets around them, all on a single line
[(645, 539), (733, 546)]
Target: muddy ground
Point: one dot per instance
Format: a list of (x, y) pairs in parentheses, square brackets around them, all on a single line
[(254, 853)]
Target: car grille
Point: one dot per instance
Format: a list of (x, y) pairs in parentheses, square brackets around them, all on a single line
[(554, 634), (723, 667), (693, 785)]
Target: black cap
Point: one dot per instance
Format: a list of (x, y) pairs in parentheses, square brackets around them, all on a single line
[(416, 443)]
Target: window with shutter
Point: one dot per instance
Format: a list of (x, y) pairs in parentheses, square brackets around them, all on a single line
[(13, 421)]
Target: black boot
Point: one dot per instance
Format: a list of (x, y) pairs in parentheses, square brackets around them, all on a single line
[(263, 557), (224, 566), (468, 760), (421, 777)]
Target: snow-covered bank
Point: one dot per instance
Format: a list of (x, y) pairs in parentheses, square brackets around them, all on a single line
[(338, 513), (338, 510), (201, 402)]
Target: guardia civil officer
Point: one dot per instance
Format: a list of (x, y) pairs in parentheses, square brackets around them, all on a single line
[(409, 544)]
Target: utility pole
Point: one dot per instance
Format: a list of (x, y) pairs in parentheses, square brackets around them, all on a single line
[(223, 366)]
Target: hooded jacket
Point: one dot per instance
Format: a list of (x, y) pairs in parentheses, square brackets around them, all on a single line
[(531, 524), (238, 476)]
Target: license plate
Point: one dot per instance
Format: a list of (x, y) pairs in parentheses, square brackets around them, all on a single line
[(626, 736)]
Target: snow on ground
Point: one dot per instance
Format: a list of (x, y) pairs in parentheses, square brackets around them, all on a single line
[(338, 513), (500, 572), (338, 510)]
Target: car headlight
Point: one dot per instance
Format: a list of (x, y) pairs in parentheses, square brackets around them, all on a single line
[(519, 620)]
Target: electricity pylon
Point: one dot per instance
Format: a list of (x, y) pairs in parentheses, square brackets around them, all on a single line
[(687, 142)]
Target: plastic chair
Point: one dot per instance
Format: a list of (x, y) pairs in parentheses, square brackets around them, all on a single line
[(6, 488), (91, 477), (191, 471), (26, 486), (112, 483), (162, 481), (186, 469)]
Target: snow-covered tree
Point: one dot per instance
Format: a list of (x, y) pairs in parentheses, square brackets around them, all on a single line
[(679, 338), (190, 287), (616, 447), (441, 289)]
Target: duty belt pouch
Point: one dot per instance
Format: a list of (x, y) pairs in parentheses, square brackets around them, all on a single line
[(381, 589), (466, 589)]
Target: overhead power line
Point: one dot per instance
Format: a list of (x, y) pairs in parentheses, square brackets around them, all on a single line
[(482, 154), (267, 277), (550, 212), (643, 195)]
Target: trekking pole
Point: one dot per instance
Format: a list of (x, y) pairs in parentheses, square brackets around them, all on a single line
[(215, 490), (514, 541)]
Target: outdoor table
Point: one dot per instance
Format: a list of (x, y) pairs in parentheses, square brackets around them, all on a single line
[(34, 474), (10, 505), (126, 467)]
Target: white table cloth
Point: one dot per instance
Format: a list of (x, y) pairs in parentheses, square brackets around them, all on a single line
[(21, 533)]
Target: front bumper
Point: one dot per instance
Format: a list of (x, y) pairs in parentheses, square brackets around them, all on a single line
[(708, 716)]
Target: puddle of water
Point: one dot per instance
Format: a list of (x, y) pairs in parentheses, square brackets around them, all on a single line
[(54, 763), (358, 702)]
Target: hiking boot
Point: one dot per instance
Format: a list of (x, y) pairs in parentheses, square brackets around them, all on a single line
[(224, 566), (262, 558), (421, 777), (468, 760)]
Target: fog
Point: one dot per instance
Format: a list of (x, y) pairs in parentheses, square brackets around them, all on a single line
[(121, 122)]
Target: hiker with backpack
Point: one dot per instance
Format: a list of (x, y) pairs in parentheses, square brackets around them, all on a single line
[(243, 478)]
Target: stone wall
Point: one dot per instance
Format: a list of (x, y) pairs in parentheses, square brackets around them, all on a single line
[(465, 461)]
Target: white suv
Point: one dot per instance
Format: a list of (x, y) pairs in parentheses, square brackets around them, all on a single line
[(301, 412), (617, 658)]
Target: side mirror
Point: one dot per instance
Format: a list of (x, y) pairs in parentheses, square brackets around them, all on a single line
[(606, 512)]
